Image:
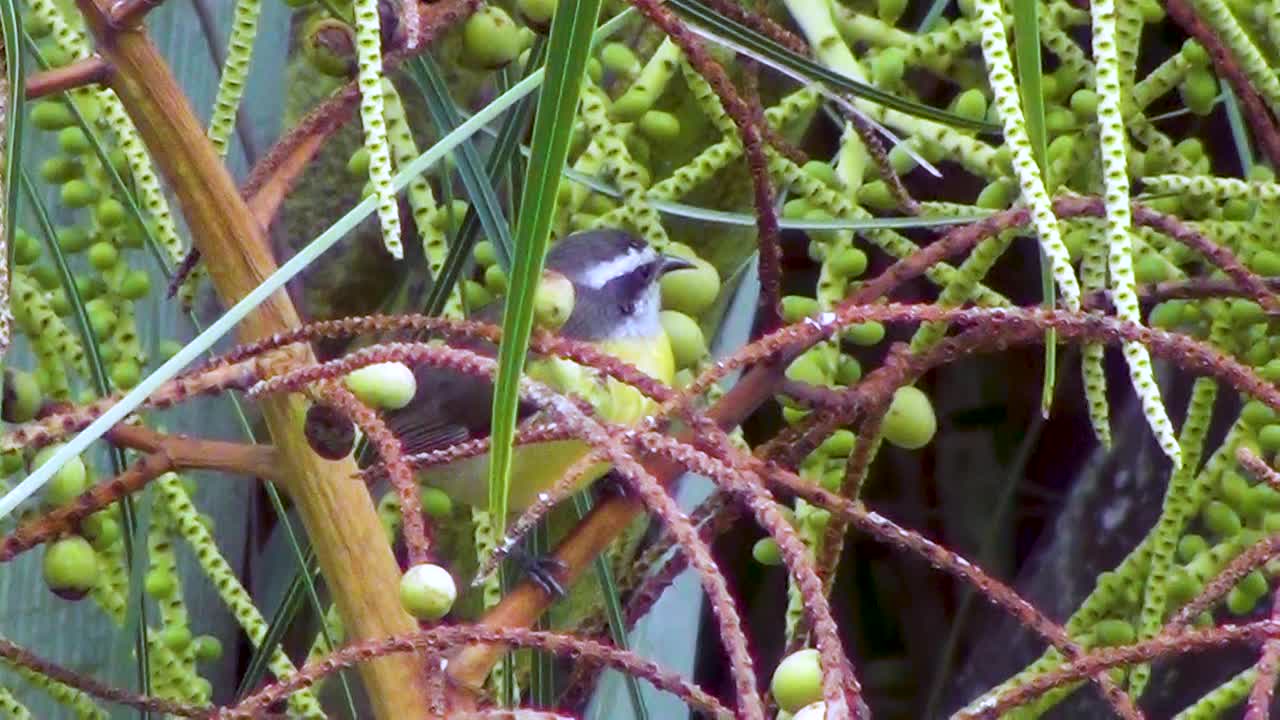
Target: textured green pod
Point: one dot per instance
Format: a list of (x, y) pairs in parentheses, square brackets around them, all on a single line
[(235, 70), (369, 78), (650, 84)]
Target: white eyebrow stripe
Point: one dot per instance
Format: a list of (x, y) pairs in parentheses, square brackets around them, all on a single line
[(601, 274)]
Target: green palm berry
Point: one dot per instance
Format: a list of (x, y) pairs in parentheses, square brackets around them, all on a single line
[(808, 368), (176, 637), (1271, 371), (484, 253), (766, 552), (823, 172), (428, 591), (1238, 209), (1266, 262), (22, 398), (1239, 602), (838, 444), (1190, 149), (971, 103), (66, 484), (1246, 312), (876, 195), (537, 13), (436, 502), (103, 256), (687, 342), (70, 567), (495, 279), (387, 386), (1221, 519), (1234, 489), (491, 39), (36, 26), (1257, 413), (1113, 632), (1182, 587), (73, 239), (54, 54), (26, 249), (73, 141), (125, 373), (1084, 103), (890, 11), (693, 290), (798, 307), (1150, 268), (1194, 53), (168, 348), (1061, 147), (329, 45), (553, 300), (110, 213), (848, 262), (1269, 438), (159, 584), (206, 648), (660, 126), (791, 415), (1199, 91), (51, 115), (797, 681), (1075, 240), (1261, 173), (119, 161), (475, 295), (888, 67), (900, 159), (135, 285), (60, 169), (848, 370), (910, 422), (620, 59), (1058, 119), (358, 164), (864, 333), (1254, 584), (10, 462), (1191, 545), (997, 195), (78, 194)]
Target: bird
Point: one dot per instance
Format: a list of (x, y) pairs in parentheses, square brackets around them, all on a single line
[(617, 299)]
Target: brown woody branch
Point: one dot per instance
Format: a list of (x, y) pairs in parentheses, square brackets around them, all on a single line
[(89, 71)]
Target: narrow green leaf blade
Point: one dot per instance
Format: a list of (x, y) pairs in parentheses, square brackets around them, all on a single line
[(568, 47)]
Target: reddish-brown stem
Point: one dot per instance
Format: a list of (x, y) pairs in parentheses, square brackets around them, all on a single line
[(89, 71), (1259, 705), (1258, 467), (125, 13), (1251, 105)]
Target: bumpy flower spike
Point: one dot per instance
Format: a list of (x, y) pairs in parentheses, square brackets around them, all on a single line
[(369, 78), (244, 28), (1118, 221)]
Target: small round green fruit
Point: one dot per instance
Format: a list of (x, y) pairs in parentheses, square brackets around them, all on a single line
[(388, 386), (22, 396), (490, 39), (428, 591), (70, 567), (910, 422), (767, 552), (692, 290), (687, 342), (797, 681)]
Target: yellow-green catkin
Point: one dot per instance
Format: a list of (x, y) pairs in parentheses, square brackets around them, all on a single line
[(235, 70), (11, 707), (369, 78), (79, 704)]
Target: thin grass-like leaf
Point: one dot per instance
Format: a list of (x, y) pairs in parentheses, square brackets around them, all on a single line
[(1026, 38), (773, 52), (1239, 133), (14, 118), (567, 49)]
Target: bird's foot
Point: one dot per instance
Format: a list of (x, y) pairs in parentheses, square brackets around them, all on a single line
[(545, 571)]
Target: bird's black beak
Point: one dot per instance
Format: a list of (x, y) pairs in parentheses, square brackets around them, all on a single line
[(671, 262)]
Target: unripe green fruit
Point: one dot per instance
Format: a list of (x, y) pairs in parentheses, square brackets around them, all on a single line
[(876, 195), (46, 277), (660, 126), (176, 637), (848, 370), (70, 567), (888, 67), (618, 58), (51, 115), (103, 256), (36, 26), (22, 396), (1254, 584), (797, 681), (1269, 438), (1166, 315), (73, 141), (1239, 602), (1058, 119), (1238, 209), (798, 307), (206, 648), (110, 213), (693, 290), (1199, 91), (450, 218), (26, 249), (358, 164), (168, 348), (1221, 519), (1112, 632), (159, 584), (848, 263), (971, 103), (73, 239), (495, 279), (475, 295), (101, 529), (1266, 262), (484, 253), (1261, 173), (1182, 586), (1084, 103), (766, 552), (865, 333), (125, 374), (135, 285), (687, 342), (910, 422), (428, 591), (553, 300), (838, 444), (807, 369), (10, 462), (78, 193), (537, 13), (66, 484), (1246, 312), (119, 161), (386, 386), (997, 195), (1075, 240), (1191, 545), (823, 172), (1190, 149), (1194, 53), (329, 45), (1234, 489), (1150, 268), (490, 39), (59, 169), (436, 502)]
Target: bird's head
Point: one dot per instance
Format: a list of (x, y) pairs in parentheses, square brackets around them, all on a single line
[(615, 280)]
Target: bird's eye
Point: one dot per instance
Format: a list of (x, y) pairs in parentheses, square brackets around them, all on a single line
[(628, 308)]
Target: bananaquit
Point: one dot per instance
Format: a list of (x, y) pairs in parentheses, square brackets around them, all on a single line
[(615, 278)]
